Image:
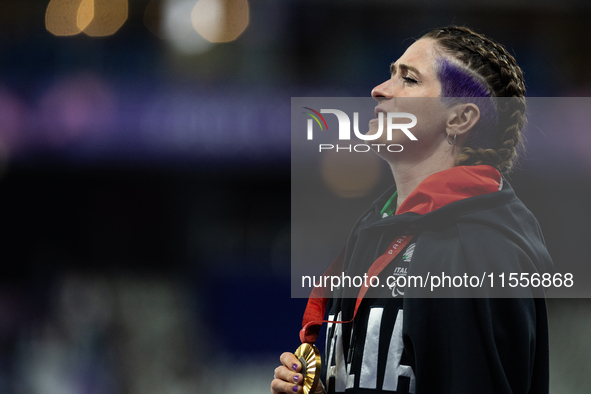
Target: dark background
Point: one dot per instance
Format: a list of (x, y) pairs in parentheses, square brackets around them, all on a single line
[(145, 191)]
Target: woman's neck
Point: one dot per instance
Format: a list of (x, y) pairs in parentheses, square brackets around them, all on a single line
[(408, 174)]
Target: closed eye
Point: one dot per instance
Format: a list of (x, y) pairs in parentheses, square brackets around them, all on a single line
[(409, 80)]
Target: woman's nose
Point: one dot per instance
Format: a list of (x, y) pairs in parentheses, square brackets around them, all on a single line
[(383, 90)]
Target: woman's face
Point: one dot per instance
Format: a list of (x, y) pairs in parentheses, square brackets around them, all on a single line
[(413, 75)]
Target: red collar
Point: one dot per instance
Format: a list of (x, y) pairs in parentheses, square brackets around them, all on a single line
[(445, 187)]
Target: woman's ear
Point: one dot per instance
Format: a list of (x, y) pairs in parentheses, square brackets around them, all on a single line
[(462, 118)]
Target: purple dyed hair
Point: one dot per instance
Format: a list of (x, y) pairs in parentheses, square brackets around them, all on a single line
[(459, 83)]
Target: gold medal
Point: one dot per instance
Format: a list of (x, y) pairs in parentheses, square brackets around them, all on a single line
[(309, 356)]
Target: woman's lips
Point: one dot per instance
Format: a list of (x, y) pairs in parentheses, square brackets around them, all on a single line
[(377, 110)]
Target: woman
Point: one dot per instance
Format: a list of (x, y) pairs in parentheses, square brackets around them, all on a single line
[(459, 217)]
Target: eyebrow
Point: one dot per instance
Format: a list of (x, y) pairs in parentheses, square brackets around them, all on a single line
[(404, 67)]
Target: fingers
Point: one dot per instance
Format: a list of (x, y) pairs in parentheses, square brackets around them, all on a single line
[(287, 378), (279, 386), (290, 361), (282, 373)]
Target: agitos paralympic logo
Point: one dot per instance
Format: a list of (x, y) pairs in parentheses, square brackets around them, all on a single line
[(345, 130)]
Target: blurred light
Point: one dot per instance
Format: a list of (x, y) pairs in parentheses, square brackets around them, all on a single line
[(79, 107), (350, 174), (85, 14), (61, 17), (220, 20), (152, 17), (177, 28), (95, 17), (13, 119), (109, 16)]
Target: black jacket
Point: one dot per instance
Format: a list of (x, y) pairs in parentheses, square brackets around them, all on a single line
[(459, 339)]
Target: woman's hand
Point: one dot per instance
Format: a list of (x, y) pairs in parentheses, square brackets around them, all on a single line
[(288, 378)]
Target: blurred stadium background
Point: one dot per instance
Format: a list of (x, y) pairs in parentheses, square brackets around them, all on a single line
[(145, 178)]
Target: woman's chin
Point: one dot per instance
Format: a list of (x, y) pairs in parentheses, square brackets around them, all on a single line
[(373, 127)]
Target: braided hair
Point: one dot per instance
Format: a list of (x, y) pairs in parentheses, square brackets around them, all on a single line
[(496, 70)]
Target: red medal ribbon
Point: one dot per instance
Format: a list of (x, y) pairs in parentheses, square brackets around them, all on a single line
[(314, 313)]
